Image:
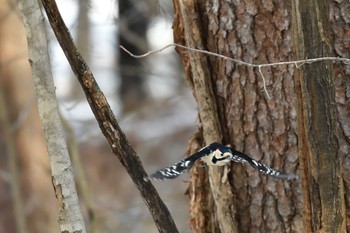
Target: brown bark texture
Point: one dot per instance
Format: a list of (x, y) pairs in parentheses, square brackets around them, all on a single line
[(202, 86), (267, 129), (340, 30), (322, 183)]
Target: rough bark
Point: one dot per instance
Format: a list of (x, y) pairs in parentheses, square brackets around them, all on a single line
[(340, 23), (197, 67), (323, 191), (267, 129)]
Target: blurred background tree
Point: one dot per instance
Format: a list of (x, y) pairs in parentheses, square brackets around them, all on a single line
[(134, 20)]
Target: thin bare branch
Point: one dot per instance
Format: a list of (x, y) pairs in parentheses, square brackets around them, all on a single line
[(296, 63), (264, 82)]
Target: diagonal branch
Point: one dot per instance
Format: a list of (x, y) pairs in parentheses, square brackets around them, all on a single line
[(107, 121)]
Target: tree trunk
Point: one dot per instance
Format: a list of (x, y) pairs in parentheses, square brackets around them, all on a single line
[(267, 129), (70, 218), (133, 23), (29, 142), (323, 191), (340, 24)]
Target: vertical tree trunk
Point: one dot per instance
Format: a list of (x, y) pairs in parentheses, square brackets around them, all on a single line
[(223, 217), (267, 129), (133, 23), (317, 120), (69, 217), (340, 23), (31, 152)]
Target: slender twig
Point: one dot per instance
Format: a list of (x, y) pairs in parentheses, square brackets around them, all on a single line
[(297, 63), (264, 82)]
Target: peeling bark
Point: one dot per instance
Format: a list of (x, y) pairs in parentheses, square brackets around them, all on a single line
[(198, 69)]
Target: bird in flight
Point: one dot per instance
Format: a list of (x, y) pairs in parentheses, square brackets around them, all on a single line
[(218, 155)]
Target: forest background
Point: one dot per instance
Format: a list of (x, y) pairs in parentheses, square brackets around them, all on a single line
[(156, 110)]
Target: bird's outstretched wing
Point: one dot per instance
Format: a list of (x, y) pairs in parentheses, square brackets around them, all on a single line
[(172, 171), (180, 167), (243, 158), (216, 154)]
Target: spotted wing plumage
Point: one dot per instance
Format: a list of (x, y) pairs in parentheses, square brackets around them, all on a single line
[(243, 158), (215, 154), (180, 167), (172, 171)]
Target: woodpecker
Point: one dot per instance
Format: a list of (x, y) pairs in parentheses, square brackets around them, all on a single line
[(215, 154)]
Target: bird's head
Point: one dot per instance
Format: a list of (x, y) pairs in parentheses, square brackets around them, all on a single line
[(221, 156)]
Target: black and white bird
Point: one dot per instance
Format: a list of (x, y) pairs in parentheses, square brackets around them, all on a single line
[(218, 155)]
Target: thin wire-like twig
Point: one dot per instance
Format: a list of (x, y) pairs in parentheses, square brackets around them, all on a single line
[(297, 63), (239, 62), (264, 82)]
